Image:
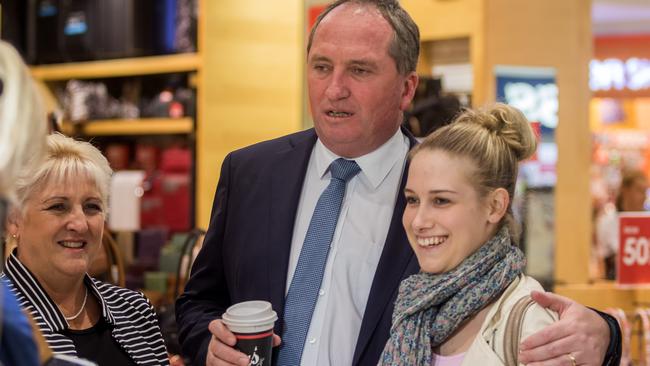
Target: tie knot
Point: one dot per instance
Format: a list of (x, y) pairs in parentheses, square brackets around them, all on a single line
[(344, 169)]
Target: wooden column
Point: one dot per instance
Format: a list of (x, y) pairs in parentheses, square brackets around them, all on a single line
[(250, 83), (545, 33)]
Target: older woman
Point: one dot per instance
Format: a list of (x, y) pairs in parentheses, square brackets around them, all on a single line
[(57, 230)]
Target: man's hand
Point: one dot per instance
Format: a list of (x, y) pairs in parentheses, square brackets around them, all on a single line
[(581, 333), (221, 349)]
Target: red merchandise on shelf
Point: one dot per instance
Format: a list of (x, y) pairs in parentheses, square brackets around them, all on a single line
[(176, 159), (175, 189), (167, 192), (151, 210), (146, 157), (118, 156)]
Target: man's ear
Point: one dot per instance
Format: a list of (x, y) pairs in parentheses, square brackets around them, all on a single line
[(498, 201), (410, 84)]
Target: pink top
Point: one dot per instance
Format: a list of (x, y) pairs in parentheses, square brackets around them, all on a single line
[(453, 360)]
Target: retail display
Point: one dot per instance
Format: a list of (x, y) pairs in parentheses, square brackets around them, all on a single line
[(620, 126), (125, 195), (80, 30)]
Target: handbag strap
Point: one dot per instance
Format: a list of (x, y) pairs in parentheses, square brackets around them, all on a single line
[(513, 329)]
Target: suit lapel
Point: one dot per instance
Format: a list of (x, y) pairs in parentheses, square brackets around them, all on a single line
[(287, 176), (392, 268)]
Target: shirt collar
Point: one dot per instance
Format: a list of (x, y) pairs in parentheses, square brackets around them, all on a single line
[(28, 285), (375, 165)]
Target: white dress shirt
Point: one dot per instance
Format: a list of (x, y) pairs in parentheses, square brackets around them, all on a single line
[(358, 241)]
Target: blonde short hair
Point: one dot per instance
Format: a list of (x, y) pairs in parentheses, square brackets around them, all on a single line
[(495, 139), (65, 158), (23, 124)]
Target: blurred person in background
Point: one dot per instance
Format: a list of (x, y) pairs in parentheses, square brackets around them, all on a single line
[(22, 136), (631, 197), (632, 194), (57, 226), (431, 108)]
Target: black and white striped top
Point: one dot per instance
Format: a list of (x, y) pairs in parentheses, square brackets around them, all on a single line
[(132, 317)]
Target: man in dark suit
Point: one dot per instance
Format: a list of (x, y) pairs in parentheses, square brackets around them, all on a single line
[(361, 78)]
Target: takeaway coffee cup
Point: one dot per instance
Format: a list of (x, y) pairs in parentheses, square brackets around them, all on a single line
[(252, 323)]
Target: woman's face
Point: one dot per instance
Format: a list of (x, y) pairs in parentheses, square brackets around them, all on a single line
[(445, 218), (60, 227)]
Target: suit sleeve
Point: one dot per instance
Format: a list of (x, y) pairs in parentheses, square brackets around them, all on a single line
[(613, 355), (206, 296)]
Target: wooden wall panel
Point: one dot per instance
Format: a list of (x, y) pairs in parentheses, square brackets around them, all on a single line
[(250, 84)]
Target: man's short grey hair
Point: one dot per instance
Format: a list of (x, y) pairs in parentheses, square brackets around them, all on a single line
[(405, 46), (23, 124)]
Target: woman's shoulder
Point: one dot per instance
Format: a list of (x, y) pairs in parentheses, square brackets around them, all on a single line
[(523, 286), (535, 317), (116, 295), (136, 325), (520, 288), (489, 346)]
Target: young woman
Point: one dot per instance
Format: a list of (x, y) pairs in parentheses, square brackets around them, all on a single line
[(459, 222)]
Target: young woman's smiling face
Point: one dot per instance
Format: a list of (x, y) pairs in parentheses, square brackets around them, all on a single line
[(445, 218)]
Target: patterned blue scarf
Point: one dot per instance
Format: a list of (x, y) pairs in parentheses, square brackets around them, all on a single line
[(430, 307)]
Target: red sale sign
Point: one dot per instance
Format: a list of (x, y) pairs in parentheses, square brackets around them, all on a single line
[(634, 248)]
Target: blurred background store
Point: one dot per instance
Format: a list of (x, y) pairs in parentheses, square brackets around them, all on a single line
[(166, 88)]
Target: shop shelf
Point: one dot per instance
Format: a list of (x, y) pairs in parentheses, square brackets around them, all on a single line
[(144, 126), (184, 62)]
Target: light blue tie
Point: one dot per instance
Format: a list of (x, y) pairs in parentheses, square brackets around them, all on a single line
[(306, 281)]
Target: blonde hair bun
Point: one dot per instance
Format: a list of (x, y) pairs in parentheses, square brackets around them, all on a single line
[(508, 123)]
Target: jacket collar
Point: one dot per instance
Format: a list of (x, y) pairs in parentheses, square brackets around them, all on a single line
[(27, 284), (289, 167), (397, 262)]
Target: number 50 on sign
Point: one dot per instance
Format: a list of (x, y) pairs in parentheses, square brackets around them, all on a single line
[(634, 248)]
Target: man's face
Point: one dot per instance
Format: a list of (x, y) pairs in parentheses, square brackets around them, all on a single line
[(356, 94)]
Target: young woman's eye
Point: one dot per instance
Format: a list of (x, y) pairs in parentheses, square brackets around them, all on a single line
[(440, 201), (410, 200)]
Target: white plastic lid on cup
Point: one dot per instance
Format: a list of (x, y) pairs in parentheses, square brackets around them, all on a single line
[(250, 317)]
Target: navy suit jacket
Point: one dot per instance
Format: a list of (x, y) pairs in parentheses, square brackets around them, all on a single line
[(245, 254)]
